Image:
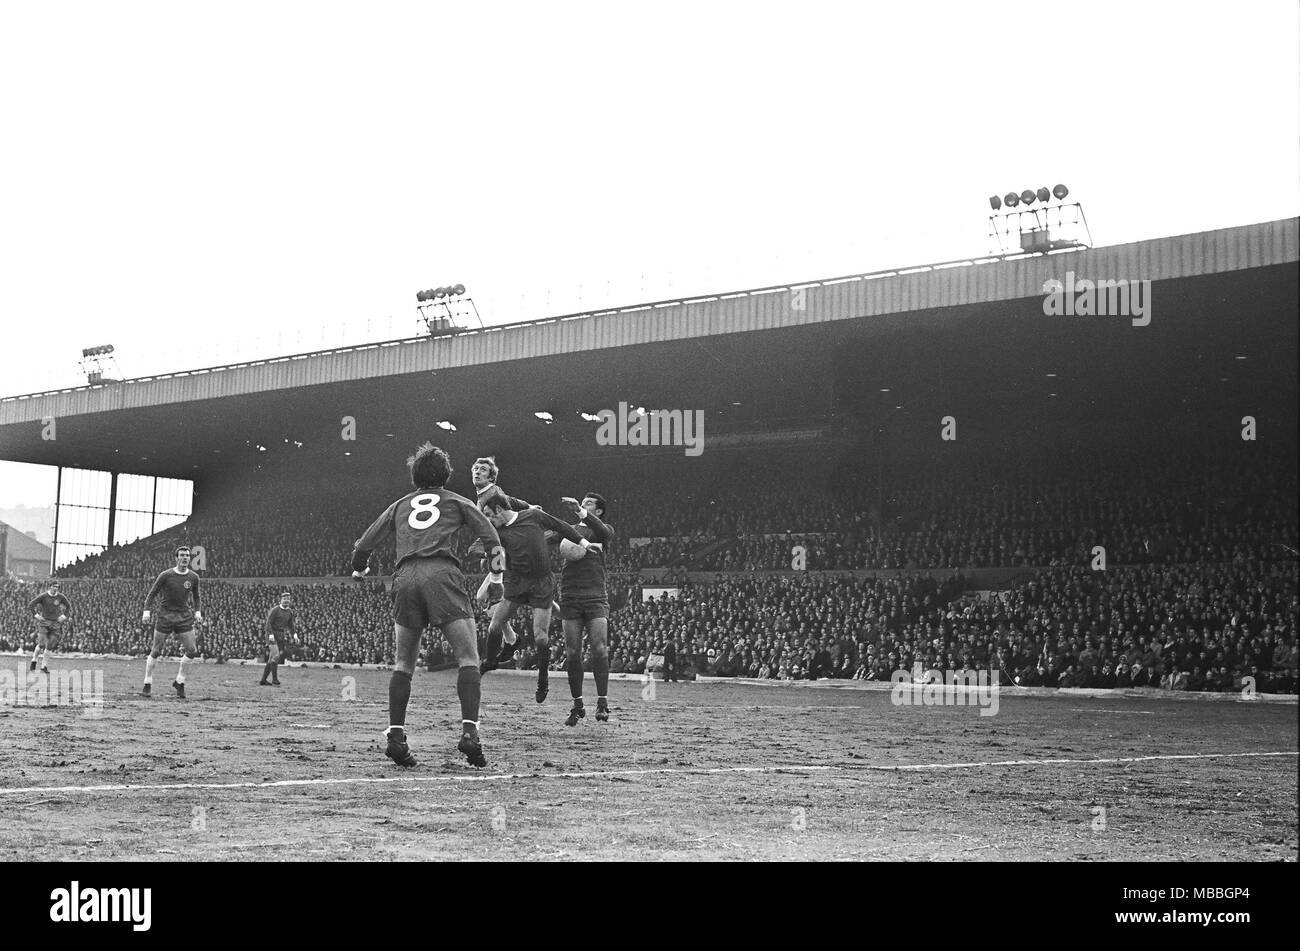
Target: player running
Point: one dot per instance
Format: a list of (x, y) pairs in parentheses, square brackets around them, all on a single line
[(177, 614), (279, 635), (584, 606), (50, 609), (528, 578), (429, 590)]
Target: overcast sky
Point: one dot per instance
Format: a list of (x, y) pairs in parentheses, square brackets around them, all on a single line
[(195, 183)]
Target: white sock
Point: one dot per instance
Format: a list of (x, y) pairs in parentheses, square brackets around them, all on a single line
[(180, 671), (149, 663)]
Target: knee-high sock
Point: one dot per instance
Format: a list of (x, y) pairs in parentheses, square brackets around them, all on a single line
[(468, 689), (149, 663), (180, 671), (265, 672), (600, 670), (399, 695), (543, 663), (493, 645), (36, 652), (574, 660)]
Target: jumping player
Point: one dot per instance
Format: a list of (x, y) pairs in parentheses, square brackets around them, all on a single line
[(279, 634), (177, 614), (50, 609), (485, 473), (528, 577), (584, 606), (429, 590)]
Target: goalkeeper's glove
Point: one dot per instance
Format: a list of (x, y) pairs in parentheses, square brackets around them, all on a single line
[(359, 575), (198, 617), (146, 616), (62, 618)]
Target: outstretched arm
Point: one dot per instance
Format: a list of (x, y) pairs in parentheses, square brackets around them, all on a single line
[(562, 529)]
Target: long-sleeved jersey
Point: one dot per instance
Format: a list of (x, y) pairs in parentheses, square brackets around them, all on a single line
[(425, 523), (524, 540), (584, 579), (177, 590), (50, 606), (516, 505), (279, 624)]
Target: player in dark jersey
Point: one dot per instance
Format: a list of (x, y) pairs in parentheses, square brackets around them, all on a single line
[(584, 606), (484, 474), (279, 635), (50, 609), (177, 614), (528, 579), (429, 590)]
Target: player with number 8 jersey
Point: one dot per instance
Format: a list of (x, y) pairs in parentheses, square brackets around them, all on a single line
[(429, 590)]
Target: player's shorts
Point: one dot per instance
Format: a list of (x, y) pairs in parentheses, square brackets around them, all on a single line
[(171, 622), (429, 591), (47, 629), (583, 610), (533, 592)]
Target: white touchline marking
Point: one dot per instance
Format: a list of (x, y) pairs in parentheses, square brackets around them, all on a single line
[(1149, 713), (597, 774)]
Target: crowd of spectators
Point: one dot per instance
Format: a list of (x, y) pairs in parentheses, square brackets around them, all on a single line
[(748, 515), (1180, 627), (344, 623)]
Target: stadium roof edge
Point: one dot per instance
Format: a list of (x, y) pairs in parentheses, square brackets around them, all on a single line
[(890, 291)]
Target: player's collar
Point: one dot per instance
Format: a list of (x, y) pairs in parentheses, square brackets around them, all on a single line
[(513, 517), (179, 572)]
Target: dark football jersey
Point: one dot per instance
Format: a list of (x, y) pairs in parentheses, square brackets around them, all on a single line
[(584, 579), (524, 540), (425, 523), (176, 590), (279, 623), (51, 606)]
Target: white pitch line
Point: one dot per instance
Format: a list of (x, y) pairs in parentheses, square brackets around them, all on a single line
[(1111, 760), (597, 774)]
